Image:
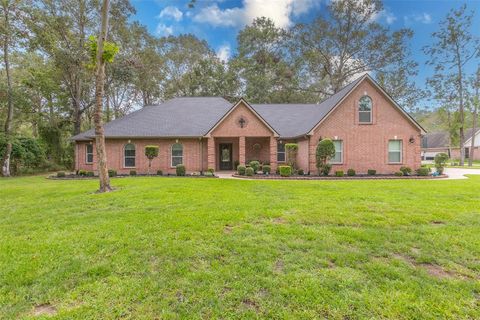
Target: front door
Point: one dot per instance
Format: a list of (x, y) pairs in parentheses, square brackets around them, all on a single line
[(225, 156)]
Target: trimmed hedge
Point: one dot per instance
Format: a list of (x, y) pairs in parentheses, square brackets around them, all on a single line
[(266, 169), (406, 171), (241, 170), (249, 171), (351, 172), (399, 174), (82, 173), (254, 165), (423, 171), (90, 174), (133, 172), (371, 172), (180, 170), (339, 173), (112, 173), (61, 174), (285, 171), (159, 173)]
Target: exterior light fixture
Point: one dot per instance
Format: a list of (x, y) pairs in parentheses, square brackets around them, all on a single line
[(176, 140), (411, 140), (395, 137), (129, 141)]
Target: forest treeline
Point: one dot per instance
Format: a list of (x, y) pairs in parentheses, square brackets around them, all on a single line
[(47, 83)]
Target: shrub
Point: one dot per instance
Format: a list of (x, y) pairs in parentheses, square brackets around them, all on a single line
[(440, 161), (406, 171), (291, 150), (254, 165), (351, 172), (180, 170), (249, 171), (151, 152), (61, 174), (133, 172), (266, 169), (112, 173), (90, 174), (325, 151), (301, 172), (325, 169), (211, 170), (399, 173), (371, 172), (159, 173), (236, 163), (339, 173), (423, 171), (285, 171), (241, 170), (209, 174), (82, 173)]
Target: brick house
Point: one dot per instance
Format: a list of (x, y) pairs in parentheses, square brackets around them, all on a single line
[(439, 142), (369, 129)]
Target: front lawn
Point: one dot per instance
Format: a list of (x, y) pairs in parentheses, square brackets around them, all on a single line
[(214, 248)]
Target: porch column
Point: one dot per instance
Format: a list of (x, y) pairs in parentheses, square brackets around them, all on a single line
[(241, 150), (211, 153), (273, 154)]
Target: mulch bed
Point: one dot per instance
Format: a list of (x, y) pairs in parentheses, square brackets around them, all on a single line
[(76, 177), (357, 177)]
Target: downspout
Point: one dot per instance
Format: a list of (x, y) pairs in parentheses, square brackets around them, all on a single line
[(201, 155)]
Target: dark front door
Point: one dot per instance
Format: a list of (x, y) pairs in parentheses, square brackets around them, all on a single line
[(225, 156)]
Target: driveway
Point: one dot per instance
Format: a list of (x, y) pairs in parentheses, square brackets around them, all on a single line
[(458, 173)]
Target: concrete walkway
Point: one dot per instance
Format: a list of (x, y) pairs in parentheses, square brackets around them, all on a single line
[(458, 173)]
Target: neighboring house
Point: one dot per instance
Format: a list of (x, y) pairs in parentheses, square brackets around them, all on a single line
[(437, 142), (369, 129)]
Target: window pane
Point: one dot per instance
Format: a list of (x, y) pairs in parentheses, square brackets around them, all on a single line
[(280, 147), (177, 150), (281, 157), (90, 157), (130, 153), (394, 145), (89, 148), (338, 151), (176, 160), (129, 162), (364, 116), (365, 104), (394, 156)]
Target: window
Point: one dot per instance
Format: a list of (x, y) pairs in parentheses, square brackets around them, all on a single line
[(177, 154), (280, 152), (365, 110), (338, 158), (129, 156), (89, 153), (395, 151)]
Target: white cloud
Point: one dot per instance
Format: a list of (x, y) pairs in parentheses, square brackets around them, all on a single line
[(280, 11), (163, 30), (224, 52), (171, 12), (389, 17), (424, 18)]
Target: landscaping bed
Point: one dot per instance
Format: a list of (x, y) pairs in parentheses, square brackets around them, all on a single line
[(356, 177), (79, 177)]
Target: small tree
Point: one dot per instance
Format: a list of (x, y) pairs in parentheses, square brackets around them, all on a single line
[(440, 161), (291, 150), (325, 151), (151, 152)]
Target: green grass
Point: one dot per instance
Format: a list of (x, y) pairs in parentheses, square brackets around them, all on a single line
[(172, 248)]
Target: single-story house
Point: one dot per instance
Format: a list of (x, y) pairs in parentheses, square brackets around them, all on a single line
[(439, 142), (369, 129)]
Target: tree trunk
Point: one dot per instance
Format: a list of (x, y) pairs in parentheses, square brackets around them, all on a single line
[(461, 109), (475, 118), (99, 87), (9, 121)]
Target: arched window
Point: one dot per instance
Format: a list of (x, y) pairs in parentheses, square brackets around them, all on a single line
[(129, 155), (365, 110), (177, 154)]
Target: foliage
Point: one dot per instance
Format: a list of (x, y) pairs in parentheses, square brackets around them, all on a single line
[(159, 173), (211, 170), (325, 151), (255, 165), (133, 172), (285, 171), (406, 170), (112, 173), (27, 153), (151, 152), (291, 150), (82, 173), (351, 172), (423, 171), (90, 174), (110, 49), (300, 172), (371, 172), (180, 170), (440, 161), (61, 174), (249, 171), (339, 173), (324, 169), (266, 169), (241, 170), (399, 173)]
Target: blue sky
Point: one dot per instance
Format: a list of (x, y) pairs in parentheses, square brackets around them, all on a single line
[(218, 21)]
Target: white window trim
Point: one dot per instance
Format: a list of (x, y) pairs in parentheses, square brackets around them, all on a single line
[(284, 153), (172, 156), (401, 151), (341, 152), (369, 112), (125, 157), (86, 154)]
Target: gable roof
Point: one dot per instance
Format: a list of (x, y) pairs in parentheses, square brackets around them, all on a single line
[(251, 109), (178, 117), (441, 139), (199, 116)]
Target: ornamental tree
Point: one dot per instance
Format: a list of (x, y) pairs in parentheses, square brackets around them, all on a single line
[(151, 152), (325, 151), (291, 149)]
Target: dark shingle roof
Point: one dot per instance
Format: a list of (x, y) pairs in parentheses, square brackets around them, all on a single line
[(294, 120), (178, 117), (442, 139)]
